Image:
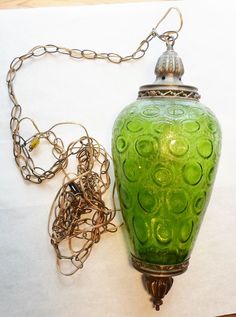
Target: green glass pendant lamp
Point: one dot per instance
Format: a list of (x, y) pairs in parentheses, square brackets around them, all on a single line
[(165, 147)]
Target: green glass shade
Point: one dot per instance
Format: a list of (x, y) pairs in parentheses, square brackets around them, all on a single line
[(165, 153)]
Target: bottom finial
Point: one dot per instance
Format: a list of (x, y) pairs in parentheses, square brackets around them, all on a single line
[(158, 279), (158, 287)]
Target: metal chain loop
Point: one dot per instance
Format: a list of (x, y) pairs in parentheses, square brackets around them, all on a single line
[(39, 51), (81, 193)]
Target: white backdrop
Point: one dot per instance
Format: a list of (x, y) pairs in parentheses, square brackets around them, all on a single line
[(57, 88)]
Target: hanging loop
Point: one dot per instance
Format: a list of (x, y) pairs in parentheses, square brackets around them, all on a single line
[(169, 37)]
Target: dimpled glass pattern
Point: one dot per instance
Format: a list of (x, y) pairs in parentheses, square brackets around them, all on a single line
[(165, 154)]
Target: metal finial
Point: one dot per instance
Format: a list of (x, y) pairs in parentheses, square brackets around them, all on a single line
[(169, 68)]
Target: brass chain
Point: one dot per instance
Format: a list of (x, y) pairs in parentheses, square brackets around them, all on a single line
[(82, 192), (21, 147)]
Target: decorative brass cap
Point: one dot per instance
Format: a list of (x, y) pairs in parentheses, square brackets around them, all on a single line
[(169, 68), (158, 287), (158, 279), (168, 84)]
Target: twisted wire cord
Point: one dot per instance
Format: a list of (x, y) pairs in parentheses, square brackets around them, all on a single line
[(78, 216)]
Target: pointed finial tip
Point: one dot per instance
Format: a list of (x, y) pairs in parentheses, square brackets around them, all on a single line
[(169, 68)]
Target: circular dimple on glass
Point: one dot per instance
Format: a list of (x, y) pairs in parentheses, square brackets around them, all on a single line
[(140, 229), (151, 111), (148, 200), (162, 176), (119, 124), (125, 197), (177, 200), (192, 173), (182, 251), (132, 110), (211, 125), (186, 231), (161, 126), (199, 202), (175, 111), (130, 169), (211, 175), (178, 146), (205, 148), (196, 111), (146, 145), (121, 144), (164, 232), (190, 126), (134, 125)]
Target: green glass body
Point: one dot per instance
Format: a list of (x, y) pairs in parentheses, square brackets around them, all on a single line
[(165, 154)]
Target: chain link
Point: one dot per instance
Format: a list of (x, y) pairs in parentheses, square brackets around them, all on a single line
[(83, 193), (20, 149)]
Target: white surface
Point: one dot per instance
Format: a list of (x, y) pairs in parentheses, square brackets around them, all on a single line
[(56, 88)]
